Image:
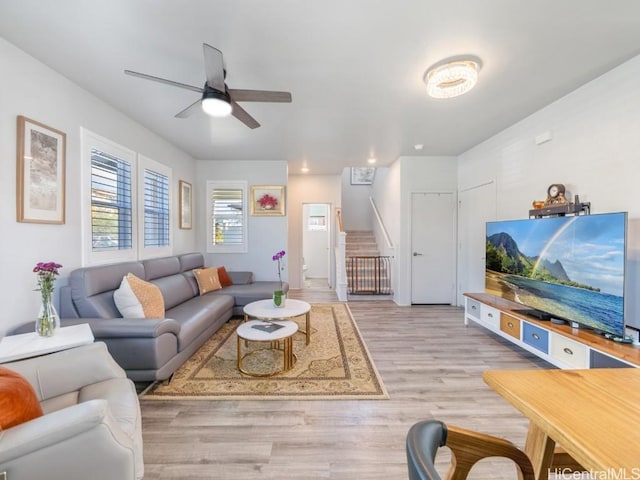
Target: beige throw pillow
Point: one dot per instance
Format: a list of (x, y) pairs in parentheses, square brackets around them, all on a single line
[(207, 279), (138, 299)]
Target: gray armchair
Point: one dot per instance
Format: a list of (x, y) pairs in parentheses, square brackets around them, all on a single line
[(91, 427)]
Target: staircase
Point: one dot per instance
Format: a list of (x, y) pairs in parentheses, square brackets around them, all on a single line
[(368, 273)]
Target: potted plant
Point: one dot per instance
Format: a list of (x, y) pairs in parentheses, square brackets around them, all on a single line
[(279, 297)]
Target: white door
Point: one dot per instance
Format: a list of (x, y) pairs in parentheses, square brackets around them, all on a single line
[(477, 205), (316, 241), (433, 248)]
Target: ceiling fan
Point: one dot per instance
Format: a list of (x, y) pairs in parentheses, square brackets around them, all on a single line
[(217, 99)]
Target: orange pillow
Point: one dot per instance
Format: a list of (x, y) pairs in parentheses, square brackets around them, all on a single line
[(207, 279), (223, 276), (18, 400)]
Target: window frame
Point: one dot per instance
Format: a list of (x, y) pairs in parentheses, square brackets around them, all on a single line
[(138, 163), (89, 141), (145, 163), (213, 185)]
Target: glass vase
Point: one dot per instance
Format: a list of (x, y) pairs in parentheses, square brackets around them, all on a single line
[(279, 299), (48, 320)]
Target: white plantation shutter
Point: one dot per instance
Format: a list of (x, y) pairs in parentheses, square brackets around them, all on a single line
[(156, 209), (111, 202), (127, 214), (227, 217)]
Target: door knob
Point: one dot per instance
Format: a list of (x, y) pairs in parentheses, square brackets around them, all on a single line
[(417, 254)]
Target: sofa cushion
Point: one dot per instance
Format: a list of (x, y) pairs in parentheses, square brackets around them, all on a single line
[(195, 315), (190, 261), (18, 400), (161, 267), (138, 299), (122, 398), (175, 289), (92, 288), (207, 279), (223, 276), (245, 294)]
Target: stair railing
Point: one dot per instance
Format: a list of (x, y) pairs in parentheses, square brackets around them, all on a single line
[(369, 275)]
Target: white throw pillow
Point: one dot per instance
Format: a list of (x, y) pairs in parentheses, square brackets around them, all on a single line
[(138, 299)]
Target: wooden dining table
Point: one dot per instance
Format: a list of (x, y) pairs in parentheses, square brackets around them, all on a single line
[(593, 415)]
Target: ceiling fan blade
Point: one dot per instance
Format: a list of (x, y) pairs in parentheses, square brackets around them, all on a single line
[(189, 110), (242, 115), (259, 96), (214, 67), (163, 80)]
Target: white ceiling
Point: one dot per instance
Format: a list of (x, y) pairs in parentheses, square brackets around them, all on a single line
[(354, 67)]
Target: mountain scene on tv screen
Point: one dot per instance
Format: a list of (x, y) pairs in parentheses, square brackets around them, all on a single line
[(569, 267), (504, 256)]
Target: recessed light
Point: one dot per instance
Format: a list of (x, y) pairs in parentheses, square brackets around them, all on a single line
[(418, 146), (371, 161)]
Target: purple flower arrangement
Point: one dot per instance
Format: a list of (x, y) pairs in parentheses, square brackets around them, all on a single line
[(278, 257)]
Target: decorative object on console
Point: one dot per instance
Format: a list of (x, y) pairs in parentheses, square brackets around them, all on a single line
[(556, 195), (267, 200), (40, 173), (279, 297), (48, 320)]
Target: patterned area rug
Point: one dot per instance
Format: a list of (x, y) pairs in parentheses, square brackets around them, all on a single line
[(335, 365)]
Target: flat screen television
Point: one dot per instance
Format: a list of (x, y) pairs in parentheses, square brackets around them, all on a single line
[(568, 268)]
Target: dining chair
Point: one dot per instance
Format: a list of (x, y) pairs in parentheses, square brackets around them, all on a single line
[(467, 448)]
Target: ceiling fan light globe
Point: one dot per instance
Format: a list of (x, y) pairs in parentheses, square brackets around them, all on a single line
[(216, 107)]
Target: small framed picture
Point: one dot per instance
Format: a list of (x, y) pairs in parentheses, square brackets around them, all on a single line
[(267, 200), (362, 175), (40, 171), (185, 200)]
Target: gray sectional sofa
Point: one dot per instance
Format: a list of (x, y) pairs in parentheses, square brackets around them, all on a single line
[(152, 349)]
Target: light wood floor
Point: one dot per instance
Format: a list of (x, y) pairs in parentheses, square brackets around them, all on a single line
[(431, 365)]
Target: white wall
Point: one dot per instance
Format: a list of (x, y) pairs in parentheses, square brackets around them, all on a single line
[(310, 189), (29, 88), (391, 192), (358, 215), (419, 174), (594, 152), (266, 235)]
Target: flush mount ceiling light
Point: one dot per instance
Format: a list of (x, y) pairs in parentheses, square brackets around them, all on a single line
[(451, 79), (215, 103)]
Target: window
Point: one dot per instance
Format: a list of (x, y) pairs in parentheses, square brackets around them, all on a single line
[(111, 205), (128, 199), (227, 217), (155, 199)]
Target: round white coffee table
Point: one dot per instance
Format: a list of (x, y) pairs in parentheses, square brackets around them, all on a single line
[(273, 332), (266, 310)]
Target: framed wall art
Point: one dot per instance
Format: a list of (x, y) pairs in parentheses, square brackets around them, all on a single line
[(40, 183), (267, 200), (185, 200), (362, 175)]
